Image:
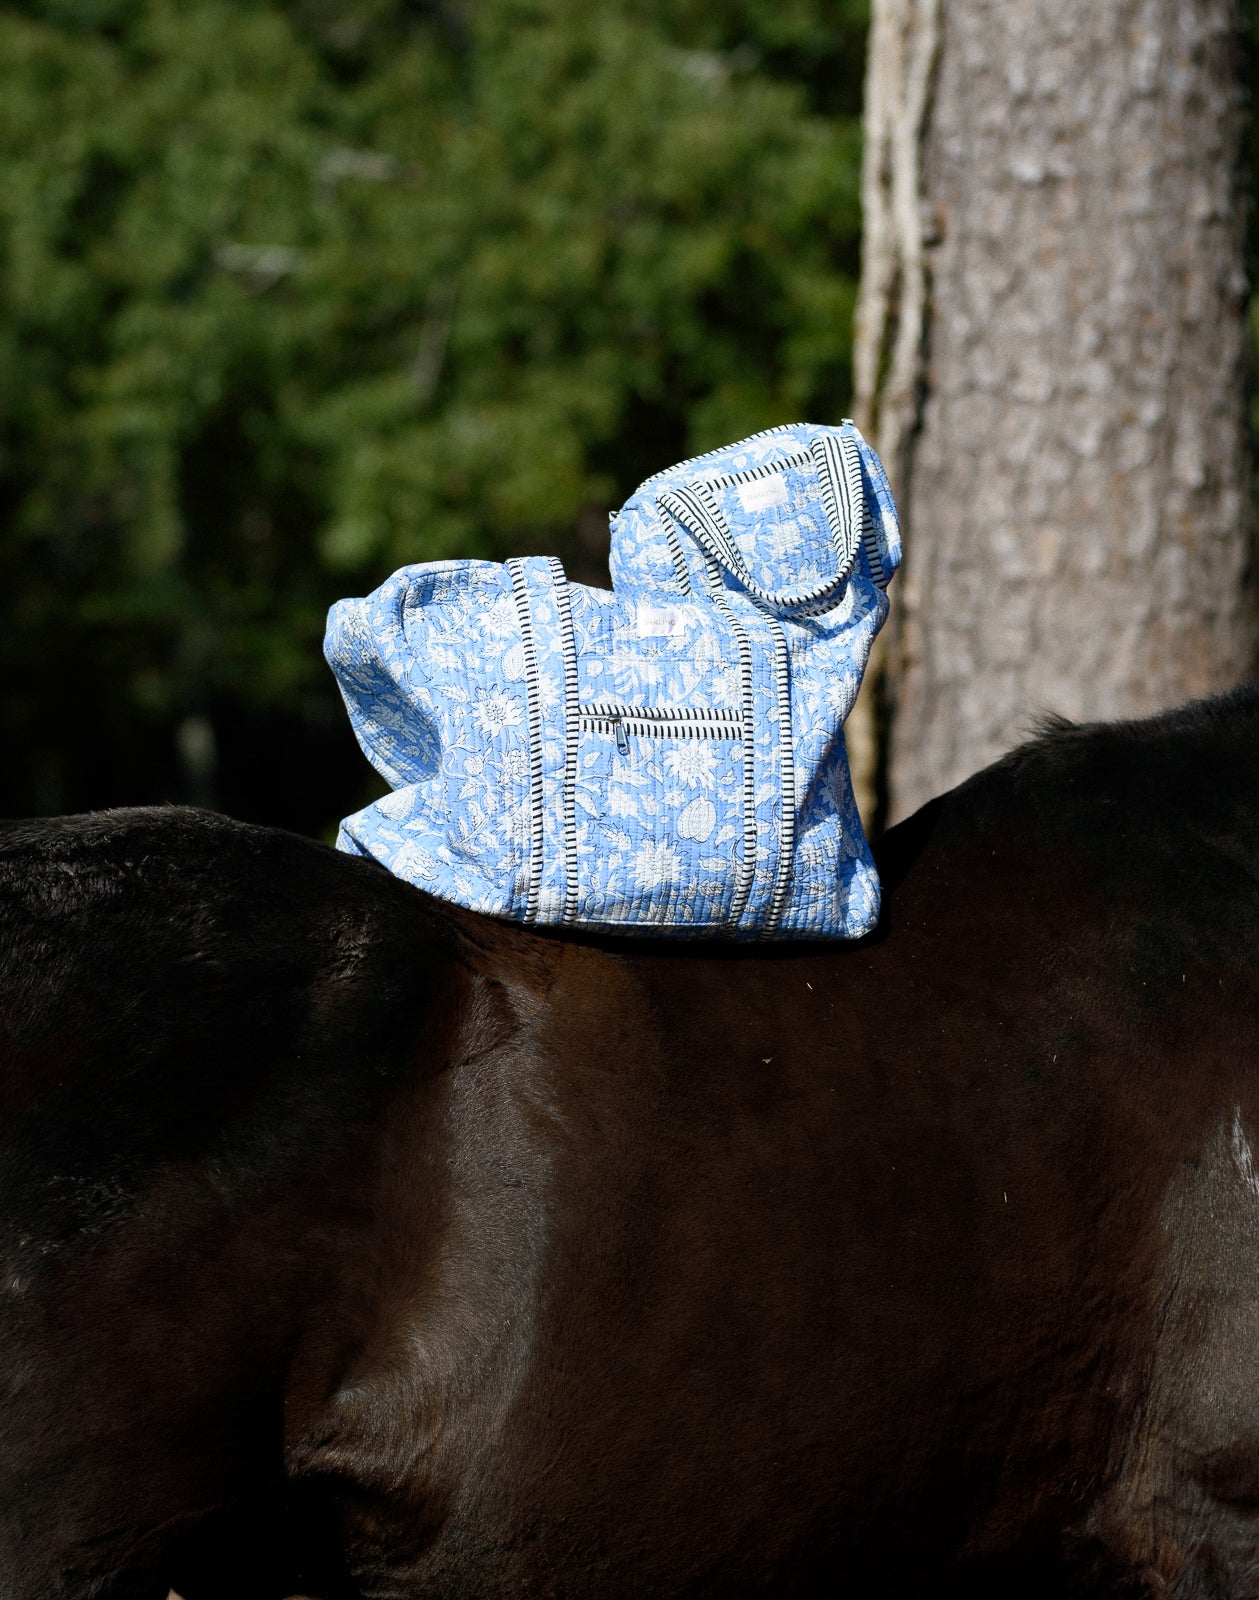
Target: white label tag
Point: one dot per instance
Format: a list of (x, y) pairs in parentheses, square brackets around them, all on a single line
[(661, 622), (762, 493)]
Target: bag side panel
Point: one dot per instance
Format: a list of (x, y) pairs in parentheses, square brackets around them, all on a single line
[(451, 634)]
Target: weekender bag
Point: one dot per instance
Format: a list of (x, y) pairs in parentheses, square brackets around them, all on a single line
[(667, 758)]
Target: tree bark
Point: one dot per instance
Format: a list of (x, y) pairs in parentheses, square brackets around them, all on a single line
[(1051, 357), (891, 316)]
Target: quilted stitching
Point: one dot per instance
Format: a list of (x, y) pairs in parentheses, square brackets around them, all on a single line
[(667, 757)]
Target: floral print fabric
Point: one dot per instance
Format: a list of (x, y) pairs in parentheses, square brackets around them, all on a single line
[(667, 757)]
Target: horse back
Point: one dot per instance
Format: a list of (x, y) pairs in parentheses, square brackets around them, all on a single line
[(465, 1261)]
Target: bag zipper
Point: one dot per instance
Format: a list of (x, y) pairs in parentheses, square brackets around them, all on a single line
[(672, 722)]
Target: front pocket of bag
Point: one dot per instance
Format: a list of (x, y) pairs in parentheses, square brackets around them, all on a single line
[(658, 808)]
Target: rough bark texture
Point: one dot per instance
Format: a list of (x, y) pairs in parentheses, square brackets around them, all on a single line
[(1064, 406), (891, 308)]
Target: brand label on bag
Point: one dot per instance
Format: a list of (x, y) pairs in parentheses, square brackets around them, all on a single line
[(661, 622), (762, 493)]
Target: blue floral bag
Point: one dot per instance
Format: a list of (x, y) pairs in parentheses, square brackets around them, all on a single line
[(666, 758)]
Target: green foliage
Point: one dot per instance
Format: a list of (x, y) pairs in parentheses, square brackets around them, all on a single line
[(292, 294)]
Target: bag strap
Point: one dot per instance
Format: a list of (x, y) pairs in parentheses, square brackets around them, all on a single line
[(843, 497)]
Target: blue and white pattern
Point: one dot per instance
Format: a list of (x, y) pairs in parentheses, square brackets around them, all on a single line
[(668, 757)]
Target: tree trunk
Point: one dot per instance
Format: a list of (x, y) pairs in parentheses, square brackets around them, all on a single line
[(1051, 348)]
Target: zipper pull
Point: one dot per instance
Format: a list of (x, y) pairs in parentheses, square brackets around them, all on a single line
[(622, 738)]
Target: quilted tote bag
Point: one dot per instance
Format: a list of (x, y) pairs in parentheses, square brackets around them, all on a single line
[(667, 758)]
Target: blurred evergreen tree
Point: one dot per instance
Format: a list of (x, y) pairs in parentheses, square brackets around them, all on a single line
[(291, 294)]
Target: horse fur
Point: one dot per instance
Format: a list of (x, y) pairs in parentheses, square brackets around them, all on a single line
[(358, 1246)]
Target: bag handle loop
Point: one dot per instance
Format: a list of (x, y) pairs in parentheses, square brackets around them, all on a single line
[(843, 497)]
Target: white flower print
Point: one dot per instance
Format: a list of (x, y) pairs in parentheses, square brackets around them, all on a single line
[(692, 762), (655, 864), (499, 620), (397, 806), (513, 765), (496, 711), (445, 656), (518, 824), (414, 863), (631, 674), (785, 538), (550, 691)]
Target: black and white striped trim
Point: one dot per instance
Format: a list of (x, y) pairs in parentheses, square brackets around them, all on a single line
[(692, 461), (678, 558), (869, 538), (746, 870), (768, 469), (842, 497), (787, 777), (676, 722), (696, 507), (533, 868), (572, 731), (701, 515)]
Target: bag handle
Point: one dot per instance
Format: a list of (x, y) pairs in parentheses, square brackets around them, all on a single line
[(838, 468)]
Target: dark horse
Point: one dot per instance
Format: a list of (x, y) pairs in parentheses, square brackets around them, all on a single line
[(356, 1246)]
